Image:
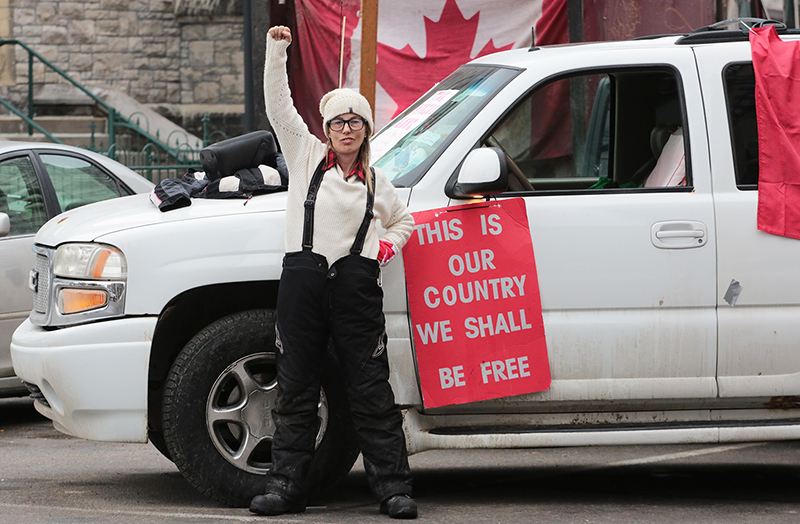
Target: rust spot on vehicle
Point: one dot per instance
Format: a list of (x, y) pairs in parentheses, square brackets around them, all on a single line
[(789, 402)]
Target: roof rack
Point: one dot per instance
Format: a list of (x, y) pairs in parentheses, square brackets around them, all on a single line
[(718, 33)]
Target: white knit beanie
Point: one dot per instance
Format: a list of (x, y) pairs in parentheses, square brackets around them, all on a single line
[(341, 101)]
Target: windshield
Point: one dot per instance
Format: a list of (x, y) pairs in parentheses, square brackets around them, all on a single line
[(409, 144)]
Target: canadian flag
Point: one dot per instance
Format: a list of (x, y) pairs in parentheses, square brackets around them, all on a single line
[(420, 42)]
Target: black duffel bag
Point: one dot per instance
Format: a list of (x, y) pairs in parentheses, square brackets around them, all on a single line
[(241, 152)]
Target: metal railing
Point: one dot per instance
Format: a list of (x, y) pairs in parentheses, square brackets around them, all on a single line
[(143, 151)]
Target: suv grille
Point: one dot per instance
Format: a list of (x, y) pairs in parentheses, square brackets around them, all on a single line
[(42, 268)]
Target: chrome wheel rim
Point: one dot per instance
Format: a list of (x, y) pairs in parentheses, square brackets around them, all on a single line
[(239, 412)]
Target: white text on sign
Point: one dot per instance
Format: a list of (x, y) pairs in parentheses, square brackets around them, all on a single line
[(441, 231), (445, 230), (432, 332), (477, 290), (485, 326), (494, 371), (452, 377), (507, 369), (490, 326)]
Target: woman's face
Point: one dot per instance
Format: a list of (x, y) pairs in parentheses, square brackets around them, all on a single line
[(346, 141)]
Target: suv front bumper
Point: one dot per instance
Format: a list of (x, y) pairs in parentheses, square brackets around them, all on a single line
[(93, 376)]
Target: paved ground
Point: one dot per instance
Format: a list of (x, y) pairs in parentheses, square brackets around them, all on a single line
[(46, 477)]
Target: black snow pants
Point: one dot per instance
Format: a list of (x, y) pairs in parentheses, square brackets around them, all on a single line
[(343, 303)]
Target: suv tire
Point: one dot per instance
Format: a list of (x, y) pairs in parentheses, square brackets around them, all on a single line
[(217, 411)]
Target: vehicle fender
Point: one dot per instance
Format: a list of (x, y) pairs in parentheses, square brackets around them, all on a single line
[(167, 259)]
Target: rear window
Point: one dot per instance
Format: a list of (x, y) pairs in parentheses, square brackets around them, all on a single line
[(740, 85)]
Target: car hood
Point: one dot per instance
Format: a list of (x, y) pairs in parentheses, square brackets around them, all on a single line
[(87, 223)]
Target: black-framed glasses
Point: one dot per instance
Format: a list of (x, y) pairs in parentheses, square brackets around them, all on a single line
[(355, 123)]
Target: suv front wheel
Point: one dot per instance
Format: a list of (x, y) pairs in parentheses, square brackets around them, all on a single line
[(217, 411)]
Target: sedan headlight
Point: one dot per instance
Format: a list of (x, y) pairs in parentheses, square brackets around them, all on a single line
[(90, 262)]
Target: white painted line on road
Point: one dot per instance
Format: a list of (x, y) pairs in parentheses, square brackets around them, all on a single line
[(682, 454), (133, 513)]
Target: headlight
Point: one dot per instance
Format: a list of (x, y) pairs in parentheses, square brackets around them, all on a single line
[(90, 262)]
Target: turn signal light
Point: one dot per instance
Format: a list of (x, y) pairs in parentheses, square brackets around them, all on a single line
[(78, 300)]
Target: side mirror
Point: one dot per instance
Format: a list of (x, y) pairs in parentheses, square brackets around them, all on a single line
[(5, 225), (484, 172)]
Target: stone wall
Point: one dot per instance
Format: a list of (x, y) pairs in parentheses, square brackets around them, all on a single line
[(149, 49)]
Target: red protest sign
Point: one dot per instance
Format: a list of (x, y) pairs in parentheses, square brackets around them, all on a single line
[(474, 300)]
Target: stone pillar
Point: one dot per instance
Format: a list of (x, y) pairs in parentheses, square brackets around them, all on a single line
[(8, 75)]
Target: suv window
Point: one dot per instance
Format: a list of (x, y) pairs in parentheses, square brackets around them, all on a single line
[(605, 130), (21, 196), (740, 88), (78, 182)]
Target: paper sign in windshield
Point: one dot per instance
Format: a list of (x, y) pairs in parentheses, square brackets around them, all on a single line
[(389, 137), (475, 307)]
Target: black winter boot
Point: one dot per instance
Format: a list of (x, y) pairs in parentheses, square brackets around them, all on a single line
[(273, 504), (399, 506)]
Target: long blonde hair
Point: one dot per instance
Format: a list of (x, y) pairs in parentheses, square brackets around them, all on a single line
[(363, 156)]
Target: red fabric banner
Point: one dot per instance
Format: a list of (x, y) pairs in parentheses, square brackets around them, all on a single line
[(552, 27), (314, 57), (777, 70), (420, 42), (475, 308)]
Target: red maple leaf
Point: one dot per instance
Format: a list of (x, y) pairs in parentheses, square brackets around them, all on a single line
[(405, 76)]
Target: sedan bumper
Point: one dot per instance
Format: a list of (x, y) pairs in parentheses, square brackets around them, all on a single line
[(93, 377)]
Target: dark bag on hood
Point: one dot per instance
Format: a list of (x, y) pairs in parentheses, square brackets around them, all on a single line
[(242, 152)]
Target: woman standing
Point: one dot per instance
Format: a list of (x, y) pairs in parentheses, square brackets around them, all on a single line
[(330, 289)]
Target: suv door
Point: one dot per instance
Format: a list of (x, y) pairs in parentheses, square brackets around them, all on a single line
[(759, 335), (625, 247)]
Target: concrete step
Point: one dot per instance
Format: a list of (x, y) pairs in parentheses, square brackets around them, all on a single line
[(10, 124), (72, 139)]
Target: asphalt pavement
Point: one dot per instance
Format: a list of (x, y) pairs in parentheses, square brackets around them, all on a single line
[(47, 477)]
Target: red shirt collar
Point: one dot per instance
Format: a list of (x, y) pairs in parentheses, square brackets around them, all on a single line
[(332, 160)]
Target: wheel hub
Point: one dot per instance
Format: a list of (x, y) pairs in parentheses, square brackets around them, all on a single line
[(239, 412), (257, 413)]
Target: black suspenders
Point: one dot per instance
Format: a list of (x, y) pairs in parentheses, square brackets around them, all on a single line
[(311, 200)]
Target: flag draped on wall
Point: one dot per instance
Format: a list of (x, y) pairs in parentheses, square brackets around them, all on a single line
[(420, 42), (777, 70)]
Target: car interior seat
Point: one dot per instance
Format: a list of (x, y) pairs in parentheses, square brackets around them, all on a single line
[(670, 168), (659, 136)]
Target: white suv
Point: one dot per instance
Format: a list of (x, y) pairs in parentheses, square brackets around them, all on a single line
[(635, 272)]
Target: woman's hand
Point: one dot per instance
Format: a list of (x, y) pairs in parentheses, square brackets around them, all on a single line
[(280, 32), (386, 252)]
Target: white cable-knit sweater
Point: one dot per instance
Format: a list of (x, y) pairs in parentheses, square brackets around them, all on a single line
[(340, 203)]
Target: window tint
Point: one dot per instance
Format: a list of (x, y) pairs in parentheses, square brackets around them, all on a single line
[(21, 196), (740, 85), (596, 131), (78, 182)]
